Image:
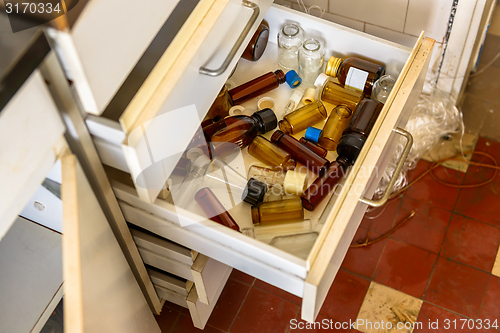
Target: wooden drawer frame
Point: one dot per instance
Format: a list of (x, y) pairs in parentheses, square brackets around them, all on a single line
[(310, 278)]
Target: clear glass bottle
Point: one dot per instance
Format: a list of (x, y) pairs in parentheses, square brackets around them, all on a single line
[(183, 194), (314, 147), (302, 118), (257, 87), (311, 58), (290, 38), (299, 152), (240, 131), (283, 211), (214, 209), (333, 93), (382, 88), (270, 154), (335, 125), (348, 149), (355, 73), (231, 186), (289, 182)]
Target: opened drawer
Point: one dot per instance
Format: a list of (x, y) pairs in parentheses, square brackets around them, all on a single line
[(185, 293), (308, 276), (179, 89)]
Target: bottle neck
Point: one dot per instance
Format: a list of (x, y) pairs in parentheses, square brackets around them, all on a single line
[(333, 66), (280, 76), (276, 136)]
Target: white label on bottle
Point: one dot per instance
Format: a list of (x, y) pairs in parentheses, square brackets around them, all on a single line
[(356, 79)]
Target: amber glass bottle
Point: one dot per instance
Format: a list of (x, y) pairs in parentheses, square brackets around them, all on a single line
[(258, 43), (335, 125), (333, 93), (240, 131), (299, 152), (221, 105), (349, 147), (270, 154), (257, 86), (283, 211), (214, 209), (314, 147), (356, 73), (302, 118)]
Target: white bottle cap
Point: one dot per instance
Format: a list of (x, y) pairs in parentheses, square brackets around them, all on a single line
[(265, 103), (236, 110), (295, 182), (309, 96), (320, 83), (296, 97)]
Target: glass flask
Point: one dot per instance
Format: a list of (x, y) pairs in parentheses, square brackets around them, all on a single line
[(270, 154), (355, 73), (239, 131), (290, 38), (214, 209), (382, 88), (283, 211), (302, 118), (299, 152), (230, 186), (257, 87), (311, 58), (335, 125)]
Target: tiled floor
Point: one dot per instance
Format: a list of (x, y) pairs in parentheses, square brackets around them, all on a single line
[(436, 269)]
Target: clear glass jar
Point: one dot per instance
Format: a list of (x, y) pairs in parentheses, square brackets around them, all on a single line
[(311, 58), (382, 88), (290, 39)]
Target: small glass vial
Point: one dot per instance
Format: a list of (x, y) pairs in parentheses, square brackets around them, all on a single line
[(221, 105), (283, 211), (355, 73), (324, 184), (290, 182), (314, 147), (311, 58), (299, 152), (290, 38), (257, 87), (302, 118), (214, 209), (333, 93), (270, 154), (335, 125), (382, 88)]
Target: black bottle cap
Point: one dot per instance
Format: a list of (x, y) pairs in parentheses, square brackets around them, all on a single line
[(267, 120), (254, 192), (350, 146)]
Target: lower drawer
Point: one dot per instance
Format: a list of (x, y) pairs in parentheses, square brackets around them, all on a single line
[(184, 293)]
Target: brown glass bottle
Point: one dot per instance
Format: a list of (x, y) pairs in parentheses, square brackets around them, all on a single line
[(283, 211), (348, 149), (257, 86), (201, 138), (359, 128), (324, 184), (270, 154), (258, 43), (240, 131), (221, 105), (335, 125), (299, 152), (333, 93), (214, 209), (302, 118), (355, 73), (314, 147)]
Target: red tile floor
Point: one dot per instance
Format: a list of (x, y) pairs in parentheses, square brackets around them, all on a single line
[(443, 257)]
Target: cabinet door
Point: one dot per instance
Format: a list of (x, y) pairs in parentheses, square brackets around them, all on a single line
[(101, 293)]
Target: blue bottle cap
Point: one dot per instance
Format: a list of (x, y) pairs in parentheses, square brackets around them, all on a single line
[(312, 134), (293, 79)]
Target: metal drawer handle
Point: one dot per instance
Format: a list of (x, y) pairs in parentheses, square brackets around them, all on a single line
[(239, 41), (399, 167)]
